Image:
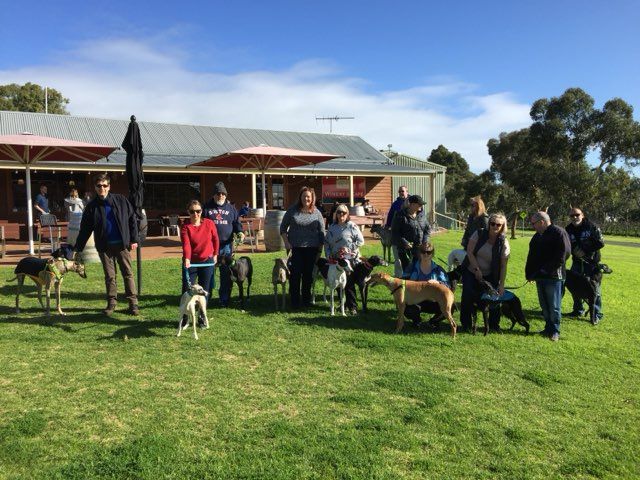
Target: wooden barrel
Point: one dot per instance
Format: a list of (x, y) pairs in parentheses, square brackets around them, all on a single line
[(272, 239), (357, 211)]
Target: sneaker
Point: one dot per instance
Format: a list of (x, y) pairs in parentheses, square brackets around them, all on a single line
[(353, 311), (133, 310), (109, 309), (555, 337)]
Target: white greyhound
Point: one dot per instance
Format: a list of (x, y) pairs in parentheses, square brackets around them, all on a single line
[(335, 278), (192, 298)]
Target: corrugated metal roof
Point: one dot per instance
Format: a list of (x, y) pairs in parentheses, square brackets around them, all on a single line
[(177, 145), (415, 162)]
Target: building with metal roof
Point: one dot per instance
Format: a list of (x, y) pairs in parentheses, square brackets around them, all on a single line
[(171, 148)]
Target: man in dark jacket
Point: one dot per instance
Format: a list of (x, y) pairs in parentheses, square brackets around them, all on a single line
[(225, 217), (549, 250), (410, 230), (112, 220), (396, 206), (586, 242)]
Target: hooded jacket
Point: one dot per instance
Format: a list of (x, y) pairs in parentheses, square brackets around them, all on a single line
[(226, 218)]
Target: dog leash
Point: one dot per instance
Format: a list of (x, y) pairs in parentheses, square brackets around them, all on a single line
[(516, 288)]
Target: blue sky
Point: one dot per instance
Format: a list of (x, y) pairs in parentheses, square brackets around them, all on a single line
[(413, 74)]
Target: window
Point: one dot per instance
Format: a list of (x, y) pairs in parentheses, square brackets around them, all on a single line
[(170, 192)]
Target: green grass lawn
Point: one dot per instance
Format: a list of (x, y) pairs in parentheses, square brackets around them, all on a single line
[(305, 395)]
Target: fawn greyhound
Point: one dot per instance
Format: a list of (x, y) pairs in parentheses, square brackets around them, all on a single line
[(409, 292)]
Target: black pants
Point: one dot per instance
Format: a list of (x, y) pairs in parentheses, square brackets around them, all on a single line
[(301, 267), (412, 312), (471, 293), (405, 256), (350, 293)]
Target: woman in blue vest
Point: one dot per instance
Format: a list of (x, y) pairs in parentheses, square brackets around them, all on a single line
[(422, 269), (487, 257)]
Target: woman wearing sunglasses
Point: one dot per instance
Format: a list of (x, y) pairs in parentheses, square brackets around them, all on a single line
[(487, 257), (343, 240), (200, 245), (424, 268)]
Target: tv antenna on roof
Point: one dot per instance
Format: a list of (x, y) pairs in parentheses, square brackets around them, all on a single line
[(333, 119)]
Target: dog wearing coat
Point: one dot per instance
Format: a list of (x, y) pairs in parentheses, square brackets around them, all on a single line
[(237, 271), (47, 274), (410, 292), (193, 299), (279, 276)]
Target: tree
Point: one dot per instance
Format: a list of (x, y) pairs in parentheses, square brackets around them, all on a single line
[(569, 126), (458, 174), (30, 98)]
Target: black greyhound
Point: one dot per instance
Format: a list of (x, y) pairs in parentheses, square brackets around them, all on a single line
[(361, 272), (585, 288), (237, 271)]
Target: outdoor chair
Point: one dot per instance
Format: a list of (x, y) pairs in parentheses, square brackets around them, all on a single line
[(253, 227), (48, 230), (172, 225)]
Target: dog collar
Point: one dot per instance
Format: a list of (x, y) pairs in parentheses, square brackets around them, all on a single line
[(402, 285)]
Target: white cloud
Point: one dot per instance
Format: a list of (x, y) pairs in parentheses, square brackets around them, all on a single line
[(117, 77)]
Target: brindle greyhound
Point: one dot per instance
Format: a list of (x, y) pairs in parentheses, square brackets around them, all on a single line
[(409, 292), (45, 273)]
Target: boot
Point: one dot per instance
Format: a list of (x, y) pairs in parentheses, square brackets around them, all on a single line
[(109, 309)]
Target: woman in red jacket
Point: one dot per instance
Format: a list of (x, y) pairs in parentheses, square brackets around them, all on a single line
[(200, 246)]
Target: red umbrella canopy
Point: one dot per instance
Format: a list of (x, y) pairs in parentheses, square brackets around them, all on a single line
[(264, 157), (29, 149)]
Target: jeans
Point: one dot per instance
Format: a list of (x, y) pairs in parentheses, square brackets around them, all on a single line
[(301, 279), (224, 292), (550, 298), (204, 275), (471, 294), (397, 264), (586, 269)]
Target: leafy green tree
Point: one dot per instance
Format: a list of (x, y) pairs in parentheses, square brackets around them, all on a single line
[(617, 135), (458, 174), (30, 98)]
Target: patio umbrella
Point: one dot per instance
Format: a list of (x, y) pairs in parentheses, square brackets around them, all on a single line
[(264, 157), (132, 144), (28, 150)]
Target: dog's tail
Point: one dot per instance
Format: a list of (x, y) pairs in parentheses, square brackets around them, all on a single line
[(13, 279)]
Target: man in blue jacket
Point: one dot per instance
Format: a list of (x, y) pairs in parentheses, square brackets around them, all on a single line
[(225, 217), (549, 250), (112, 220)]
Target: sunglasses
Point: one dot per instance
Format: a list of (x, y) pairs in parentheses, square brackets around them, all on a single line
[(430, 252), (341, 213), (575, 215), (494, 224), (195, 211), (102, 185)]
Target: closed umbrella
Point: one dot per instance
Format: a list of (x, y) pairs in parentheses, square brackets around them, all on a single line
[(264, 157), (132, 144), (28, 150)]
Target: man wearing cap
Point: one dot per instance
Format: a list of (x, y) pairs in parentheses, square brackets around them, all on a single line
[(586, 242), (410, 230), (225, 217)]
